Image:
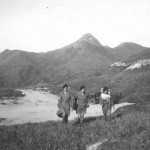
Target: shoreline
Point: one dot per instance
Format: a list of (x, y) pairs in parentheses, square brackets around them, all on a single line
[(39, 107)]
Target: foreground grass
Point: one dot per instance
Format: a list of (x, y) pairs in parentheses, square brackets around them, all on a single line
[(128, 129)]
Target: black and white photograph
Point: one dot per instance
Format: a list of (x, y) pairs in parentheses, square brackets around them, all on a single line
[(74, 74)]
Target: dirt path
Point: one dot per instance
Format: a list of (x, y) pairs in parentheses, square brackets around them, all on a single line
[(95, 145)]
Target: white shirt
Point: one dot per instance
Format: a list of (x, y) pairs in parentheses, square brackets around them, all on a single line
[(105, 96)]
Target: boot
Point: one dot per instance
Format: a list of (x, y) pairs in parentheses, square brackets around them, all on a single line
[(81, 119), (65, 119)]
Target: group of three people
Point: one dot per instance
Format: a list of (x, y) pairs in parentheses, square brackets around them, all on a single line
[(79, 102)]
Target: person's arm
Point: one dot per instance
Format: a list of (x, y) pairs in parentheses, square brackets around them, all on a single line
[(75, 101), (100, 100), (59, 101), (112, 104), (109, 92), (71, 101), (87, 100), (77, 98)]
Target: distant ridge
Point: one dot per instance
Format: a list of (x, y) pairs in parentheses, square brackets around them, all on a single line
[(127, 49)]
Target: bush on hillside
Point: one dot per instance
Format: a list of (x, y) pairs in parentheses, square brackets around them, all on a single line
[(10, 93)]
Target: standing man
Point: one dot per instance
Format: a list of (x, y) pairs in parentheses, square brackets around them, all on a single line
[(82, 103), (65, 103), (106, 103)]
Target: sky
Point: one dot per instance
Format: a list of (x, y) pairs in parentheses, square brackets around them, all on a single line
[(45, 25)]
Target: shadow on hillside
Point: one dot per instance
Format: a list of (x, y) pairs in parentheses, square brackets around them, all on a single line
[(113, 116), (117, 115), (2, 119), (91, 119), (86, 120)]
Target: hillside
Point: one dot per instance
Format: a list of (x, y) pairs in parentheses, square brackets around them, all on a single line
[(17, 67), (78, 62), (83, 58), (127, 49), (145, 54), (133, 79), (130, 78)]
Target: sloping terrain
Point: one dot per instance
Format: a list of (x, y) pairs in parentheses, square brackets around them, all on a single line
[(133, 80), (128, 49), (85, 57)]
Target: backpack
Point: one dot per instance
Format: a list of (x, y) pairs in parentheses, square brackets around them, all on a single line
[(60, 113)]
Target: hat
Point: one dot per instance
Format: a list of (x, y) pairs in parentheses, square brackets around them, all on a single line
[(105, 89), (82, 87), (65, 85)]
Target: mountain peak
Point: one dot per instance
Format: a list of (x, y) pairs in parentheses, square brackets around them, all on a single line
[(87, 35), (89, 38)]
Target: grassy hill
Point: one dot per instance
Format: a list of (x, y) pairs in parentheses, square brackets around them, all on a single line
[(134, 85), (128, 49), (128, 129), (83, 58), (145, 54)]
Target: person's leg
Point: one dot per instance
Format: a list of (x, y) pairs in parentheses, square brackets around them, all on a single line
[(109, 112), (81, 118), (79, 113), (104, 109), (66, 114), (78, 116), (63, 114), (65, 118), (82, 114)]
